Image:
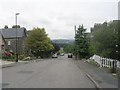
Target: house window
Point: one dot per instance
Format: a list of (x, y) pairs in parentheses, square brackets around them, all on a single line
[(9, 43)]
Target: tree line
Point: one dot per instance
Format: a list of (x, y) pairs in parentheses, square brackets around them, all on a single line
[(103, 40)]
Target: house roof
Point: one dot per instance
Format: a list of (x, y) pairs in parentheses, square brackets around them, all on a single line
[(11, 32)]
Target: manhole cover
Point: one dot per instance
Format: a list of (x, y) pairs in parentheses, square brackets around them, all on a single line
[(5, 84), (26, 72)]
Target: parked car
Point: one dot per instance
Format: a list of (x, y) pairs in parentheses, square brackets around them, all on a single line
[(70, 55), (54, 56)]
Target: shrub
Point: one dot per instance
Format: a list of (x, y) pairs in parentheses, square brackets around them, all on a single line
[(21, 57)]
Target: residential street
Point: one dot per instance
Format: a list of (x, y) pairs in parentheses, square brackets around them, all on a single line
[(61, 72), (60, 44)]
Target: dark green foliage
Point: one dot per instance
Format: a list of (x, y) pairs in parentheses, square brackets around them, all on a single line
[(118, 48), (56, 48), (81, 43), (105, 40), (69, 48), (14, 26), (6, 26)]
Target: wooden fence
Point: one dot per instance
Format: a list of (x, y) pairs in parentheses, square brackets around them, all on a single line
[(105, 62)]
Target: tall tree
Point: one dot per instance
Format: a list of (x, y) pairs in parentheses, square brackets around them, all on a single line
[(81, 43), (39, 43)]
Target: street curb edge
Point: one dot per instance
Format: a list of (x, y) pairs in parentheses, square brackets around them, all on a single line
[(90, 77), (95, 83)]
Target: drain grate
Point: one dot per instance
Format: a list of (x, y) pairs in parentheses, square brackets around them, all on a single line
[(5, 84), (26, 72)]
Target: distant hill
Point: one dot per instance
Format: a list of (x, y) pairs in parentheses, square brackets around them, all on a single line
[(63, 41)]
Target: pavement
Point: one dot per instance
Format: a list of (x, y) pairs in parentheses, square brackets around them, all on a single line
[(100, 77), (5, 64), (60, 72)]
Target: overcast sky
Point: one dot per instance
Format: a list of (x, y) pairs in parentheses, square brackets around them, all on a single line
[(58, 17)]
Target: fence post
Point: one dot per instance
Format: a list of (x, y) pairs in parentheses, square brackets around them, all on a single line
[(110, 63), (100, 62), (114, 66), (105, 62)]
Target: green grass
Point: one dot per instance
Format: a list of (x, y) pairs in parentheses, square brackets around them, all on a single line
[(93, 63)]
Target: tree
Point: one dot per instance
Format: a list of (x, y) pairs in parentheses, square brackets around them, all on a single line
[(81, 43), (6, 26), (105, 39), (56, 48), (14, 26), (39, 43), (118, 34), (69, 48)]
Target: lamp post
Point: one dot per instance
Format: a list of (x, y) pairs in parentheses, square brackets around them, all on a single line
[(16, 37)]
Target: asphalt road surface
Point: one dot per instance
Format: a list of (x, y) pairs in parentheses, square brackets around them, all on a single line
[(61, 72)]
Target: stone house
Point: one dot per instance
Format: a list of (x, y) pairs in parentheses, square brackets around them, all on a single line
[(2, 44), (14, 36)]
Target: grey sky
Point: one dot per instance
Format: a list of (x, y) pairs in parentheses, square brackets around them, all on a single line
[(58, 17)]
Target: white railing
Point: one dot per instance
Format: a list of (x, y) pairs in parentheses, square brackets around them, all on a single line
[(105, 62)]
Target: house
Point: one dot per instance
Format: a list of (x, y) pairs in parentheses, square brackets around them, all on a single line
[(2, 44), (13, 36)]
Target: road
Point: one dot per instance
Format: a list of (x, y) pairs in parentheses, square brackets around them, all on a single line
[(50, 73)]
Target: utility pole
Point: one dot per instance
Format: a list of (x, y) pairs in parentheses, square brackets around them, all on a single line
[(16, 37), (75, 29), (75, 44)]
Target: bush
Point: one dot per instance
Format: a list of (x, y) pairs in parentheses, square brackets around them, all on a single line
[(94, 63), (21, 57)]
